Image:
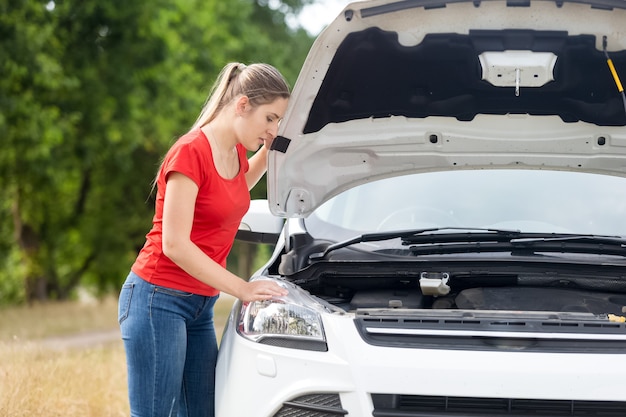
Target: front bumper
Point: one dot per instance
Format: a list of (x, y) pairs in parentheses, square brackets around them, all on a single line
[(354, 378)]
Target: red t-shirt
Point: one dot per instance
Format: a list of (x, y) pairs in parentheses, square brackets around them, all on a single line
[(220, 205)]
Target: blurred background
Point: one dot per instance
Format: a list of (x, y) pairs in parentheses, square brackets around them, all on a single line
[(92, 94)]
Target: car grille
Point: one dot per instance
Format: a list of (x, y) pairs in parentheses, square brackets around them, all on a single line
[(312, 405), (462, 330), (388, 405)]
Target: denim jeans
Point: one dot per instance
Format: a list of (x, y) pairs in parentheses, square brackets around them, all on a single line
[(171, 350)]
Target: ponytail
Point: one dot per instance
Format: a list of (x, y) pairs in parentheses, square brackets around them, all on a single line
[(261, 83)]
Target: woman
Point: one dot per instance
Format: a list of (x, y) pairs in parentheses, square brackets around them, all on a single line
[(166, 303)]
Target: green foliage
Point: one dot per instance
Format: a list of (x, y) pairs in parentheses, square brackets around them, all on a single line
[(11, 279), (92, 94)]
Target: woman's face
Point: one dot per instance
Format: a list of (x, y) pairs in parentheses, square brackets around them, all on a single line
[(259, 125)]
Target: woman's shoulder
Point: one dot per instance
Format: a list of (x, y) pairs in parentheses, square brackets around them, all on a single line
[(194, 137), (190, 154), (192, 144)]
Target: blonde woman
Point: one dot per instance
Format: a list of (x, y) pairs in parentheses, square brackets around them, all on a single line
[(166, 302)]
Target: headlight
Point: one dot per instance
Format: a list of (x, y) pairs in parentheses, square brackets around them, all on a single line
[(292, 321)]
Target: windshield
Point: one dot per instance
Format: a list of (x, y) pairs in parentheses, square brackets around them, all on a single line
[(524, 200)]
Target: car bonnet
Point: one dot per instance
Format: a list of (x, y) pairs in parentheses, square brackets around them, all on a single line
[(397, 87)]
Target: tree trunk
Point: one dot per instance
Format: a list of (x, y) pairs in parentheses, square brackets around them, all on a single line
[(35, 282)]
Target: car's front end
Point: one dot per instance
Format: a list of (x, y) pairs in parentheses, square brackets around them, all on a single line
[(440, 321), (403, 363), (453, 176)]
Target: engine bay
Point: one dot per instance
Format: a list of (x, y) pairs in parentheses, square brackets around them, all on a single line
[(505, 293), (495, 298)]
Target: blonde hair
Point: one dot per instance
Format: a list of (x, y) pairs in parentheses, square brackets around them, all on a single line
[(261, 83)]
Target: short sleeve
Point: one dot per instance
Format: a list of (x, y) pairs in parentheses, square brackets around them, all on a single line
[(187, 158)]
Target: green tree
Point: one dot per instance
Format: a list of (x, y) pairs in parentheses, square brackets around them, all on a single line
[(92, 94)]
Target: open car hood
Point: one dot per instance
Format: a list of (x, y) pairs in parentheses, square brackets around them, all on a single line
[(397, 87)]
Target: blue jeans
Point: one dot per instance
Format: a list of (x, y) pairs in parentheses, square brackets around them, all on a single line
[(171, 350)]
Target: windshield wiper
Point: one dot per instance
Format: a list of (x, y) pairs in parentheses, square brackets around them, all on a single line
[(523, 243), (469, 239), (608, 245), (409, 235)]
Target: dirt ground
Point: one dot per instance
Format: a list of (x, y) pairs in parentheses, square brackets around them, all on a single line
[(99, 338)]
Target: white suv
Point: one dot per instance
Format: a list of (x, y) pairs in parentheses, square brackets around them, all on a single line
[(453, 178)]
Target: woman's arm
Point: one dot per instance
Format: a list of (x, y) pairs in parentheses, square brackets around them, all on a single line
[(178, 211), (257, 167)]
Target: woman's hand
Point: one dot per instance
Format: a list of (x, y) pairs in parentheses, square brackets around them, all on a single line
[(261, 290)]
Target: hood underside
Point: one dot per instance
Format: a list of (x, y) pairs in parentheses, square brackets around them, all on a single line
[(392, 88)]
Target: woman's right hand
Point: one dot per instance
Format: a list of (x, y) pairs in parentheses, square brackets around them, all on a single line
[(261, 290)]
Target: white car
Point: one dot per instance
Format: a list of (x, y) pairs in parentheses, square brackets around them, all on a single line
[(452, 175)]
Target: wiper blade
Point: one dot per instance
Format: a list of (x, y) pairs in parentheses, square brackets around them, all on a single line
[(524, 243), (408, 236), (468, 240), (610, 245)]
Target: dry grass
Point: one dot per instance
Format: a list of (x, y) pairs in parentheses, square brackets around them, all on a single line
[(57, 319), (40, 379), (35, 381)]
